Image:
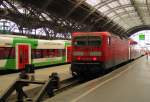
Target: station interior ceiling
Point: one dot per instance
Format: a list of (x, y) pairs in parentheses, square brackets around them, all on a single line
[(121, 17)]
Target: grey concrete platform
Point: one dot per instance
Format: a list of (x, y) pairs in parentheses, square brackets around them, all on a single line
[(130, 83), (40, 74)]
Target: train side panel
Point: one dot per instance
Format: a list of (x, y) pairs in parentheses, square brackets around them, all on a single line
[(115, 51), (7, 59), (39, 52), (48, 53), (108, 52), (122, 50)]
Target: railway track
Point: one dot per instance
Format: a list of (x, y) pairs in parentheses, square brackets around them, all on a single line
[(46, 89)]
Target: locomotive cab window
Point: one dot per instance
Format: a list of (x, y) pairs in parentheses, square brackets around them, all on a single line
[(94, 41), (87, 41), (80, 41)]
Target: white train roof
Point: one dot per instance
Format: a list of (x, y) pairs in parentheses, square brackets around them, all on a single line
[(11, 36)]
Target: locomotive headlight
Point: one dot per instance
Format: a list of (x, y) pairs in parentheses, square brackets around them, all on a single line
[(78, 53), (95, 53), (94, 58)]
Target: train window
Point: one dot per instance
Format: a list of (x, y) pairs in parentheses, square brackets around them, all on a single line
[(94, 41), (33, 54), (11, 53), (51, 53), (87, 41), (36, 53), (47, 53), (63, 52), (7, 53), (2, 53), (56, 52), (80, 41), (60, 52)]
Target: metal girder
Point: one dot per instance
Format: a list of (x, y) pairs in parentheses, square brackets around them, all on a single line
[(13, 7), (116, 8), (114, 25), (74, 8), (148, 8), (117, 28), (45, 5), (109, 21), (136, 29), (65, 25), (61, 23), (122, 6), (136, 9), (121, 13), (95, 8), (119, 16)]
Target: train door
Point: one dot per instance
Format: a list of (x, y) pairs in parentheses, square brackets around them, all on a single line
[(23, 55), (68, 54)]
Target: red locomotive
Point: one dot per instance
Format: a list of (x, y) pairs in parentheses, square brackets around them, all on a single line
[(95, 52)]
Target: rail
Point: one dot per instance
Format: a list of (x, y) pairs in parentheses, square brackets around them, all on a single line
[(47, 88)]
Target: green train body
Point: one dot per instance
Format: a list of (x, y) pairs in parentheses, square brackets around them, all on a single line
[(16, 52)]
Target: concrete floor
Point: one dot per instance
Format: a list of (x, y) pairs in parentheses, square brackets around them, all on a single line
[(40, 74), (130, 83)]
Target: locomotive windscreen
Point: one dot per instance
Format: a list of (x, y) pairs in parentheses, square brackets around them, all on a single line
[(87, 41)]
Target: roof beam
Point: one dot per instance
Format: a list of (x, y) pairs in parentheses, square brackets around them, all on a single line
[(148, 7), (119, 16), (96, 7), (74, 8), (136, 9), (12, 5), (119, 7), (45, 5)]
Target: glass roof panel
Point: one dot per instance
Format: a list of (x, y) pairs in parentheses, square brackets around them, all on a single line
[(113, 4), (123, 2), (22, 10), (143, 8), (1, 6), (133, 14), (6, 4), (147, 20), (93, 2), (103, 9), (124, 25), (117, 18), (47, 17), (120, 10), (126, 15), (124, 12), (129, 8), (141, 1), (111, 14)]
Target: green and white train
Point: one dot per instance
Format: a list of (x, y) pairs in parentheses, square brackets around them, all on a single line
[(17, 51)]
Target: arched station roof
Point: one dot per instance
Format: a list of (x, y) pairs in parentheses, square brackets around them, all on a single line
[(117, 16)]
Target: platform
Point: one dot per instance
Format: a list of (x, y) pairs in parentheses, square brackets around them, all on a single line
[(40, 74), (130, 83)]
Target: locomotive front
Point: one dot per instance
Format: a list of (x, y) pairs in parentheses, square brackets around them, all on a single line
[(86, 54)]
